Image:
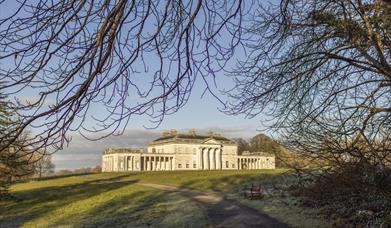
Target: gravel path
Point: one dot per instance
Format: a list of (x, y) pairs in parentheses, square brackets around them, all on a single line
[(222, 212)]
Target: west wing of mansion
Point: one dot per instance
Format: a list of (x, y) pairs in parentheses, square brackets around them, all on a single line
[(190, 151)]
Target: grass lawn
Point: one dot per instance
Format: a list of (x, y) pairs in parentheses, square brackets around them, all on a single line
[(101, 199), (276, 203), (96, 200)]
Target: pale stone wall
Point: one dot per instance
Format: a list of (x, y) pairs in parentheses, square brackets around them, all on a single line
[(206, 155)]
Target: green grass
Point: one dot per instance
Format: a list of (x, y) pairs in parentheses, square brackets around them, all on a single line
[(276, 203), (96, 200), (109, 199)]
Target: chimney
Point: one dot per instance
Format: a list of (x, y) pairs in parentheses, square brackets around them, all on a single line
[(173, 132), (192, 132)]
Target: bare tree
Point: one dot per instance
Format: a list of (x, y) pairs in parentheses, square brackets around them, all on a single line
[(134, 57), (243, 145), (322, 69), (42, 164)]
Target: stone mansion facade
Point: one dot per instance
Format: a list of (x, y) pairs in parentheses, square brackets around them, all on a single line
[(190, 151)]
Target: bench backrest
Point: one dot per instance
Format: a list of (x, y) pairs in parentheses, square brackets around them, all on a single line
[(256, 188)]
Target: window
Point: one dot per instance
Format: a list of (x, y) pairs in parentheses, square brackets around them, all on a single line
[(179, 165), (187, 166), (194, 165), (153, 150), (233, 165), (226, 164)]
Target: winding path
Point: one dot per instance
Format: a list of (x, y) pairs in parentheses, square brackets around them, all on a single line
[(222, 212)]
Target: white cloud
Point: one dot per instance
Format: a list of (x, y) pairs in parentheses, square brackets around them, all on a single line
[(86, 153)]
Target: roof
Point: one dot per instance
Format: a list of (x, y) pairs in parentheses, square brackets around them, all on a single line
[(122, 150), (257, 153), (191, 138)]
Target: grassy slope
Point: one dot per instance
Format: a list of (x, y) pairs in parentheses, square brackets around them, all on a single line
[(276, 203), (77, 199), (92, 200)]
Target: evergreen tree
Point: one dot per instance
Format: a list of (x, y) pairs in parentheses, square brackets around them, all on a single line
[(5, 125)]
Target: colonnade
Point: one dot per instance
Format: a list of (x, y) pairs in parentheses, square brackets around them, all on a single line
[(155, 163), (251, 163), (108, 164), (130, 163), (209, 158)]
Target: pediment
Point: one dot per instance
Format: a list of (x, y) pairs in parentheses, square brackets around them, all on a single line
[(211, 141)]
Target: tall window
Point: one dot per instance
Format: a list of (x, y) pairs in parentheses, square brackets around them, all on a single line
[(226, 164)]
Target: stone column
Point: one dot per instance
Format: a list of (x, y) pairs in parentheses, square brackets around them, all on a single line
[(206, 158), (218, 158), (200, 158), (212, 158)]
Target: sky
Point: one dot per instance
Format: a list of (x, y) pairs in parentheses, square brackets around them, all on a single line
[(200, 113)]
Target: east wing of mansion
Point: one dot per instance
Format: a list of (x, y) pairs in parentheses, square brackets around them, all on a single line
[(190, 151)]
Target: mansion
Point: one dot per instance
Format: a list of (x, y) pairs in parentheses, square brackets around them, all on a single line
[(173, 151)]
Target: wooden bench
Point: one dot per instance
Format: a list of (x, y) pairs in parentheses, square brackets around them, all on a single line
[(253, 192)]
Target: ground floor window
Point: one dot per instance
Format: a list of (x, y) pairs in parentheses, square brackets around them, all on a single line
[(179, 165), (187, 166), (226, 164)]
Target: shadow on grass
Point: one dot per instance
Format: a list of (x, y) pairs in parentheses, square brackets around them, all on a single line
[(30, 204), (141, 209), (223, 213), (234, 184)]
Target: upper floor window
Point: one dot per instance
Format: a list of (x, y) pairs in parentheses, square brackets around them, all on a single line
[(153, 150)]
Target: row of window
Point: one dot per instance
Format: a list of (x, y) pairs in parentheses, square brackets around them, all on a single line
[(195, 165)]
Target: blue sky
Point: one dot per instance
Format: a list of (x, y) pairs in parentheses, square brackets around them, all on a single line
[(199, 113)]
